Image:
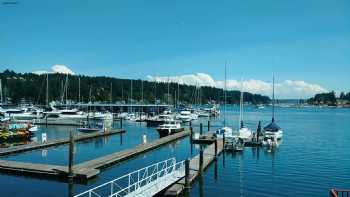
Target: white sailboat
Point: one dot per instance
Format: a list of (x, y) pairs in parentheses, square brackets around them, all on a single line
[(244, 133), (227, 131)]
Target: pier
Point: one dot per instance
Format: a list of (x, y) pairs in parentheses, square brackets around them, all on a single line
[(196, 166), (30, 147), (85, 170)]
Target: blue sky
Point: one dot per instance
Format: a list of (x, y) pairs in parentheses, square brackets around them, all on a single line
[(297, 40)]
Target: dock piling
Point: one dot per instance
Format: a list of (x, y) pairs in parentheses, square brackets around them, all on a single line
[(71, 155), (200, 161), (121, 123), (216, 149), (187, 174), (201, 128), (208, 125), (223, 139)]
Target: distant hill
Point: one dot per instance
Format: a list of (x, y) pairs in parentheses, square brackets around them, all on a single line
[(32, 87), (330, 99)]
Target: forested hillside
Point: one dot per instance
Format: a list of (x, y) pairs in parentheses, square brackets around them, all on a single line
[(32, 87)]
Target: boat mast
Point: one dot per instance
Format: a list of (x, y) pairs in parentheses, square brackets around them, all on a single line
[(131, 94), (66, 90), (142, 91), (2, 101), (47, 89), (178, 93), (79, 90), (168, 91), (241, 106), (111, 98), (273, 98), (225, 95)]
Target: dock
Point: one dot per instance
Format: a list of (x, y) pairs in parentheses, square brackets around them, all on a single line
[(35, 146), (85, 170), (208, 157)]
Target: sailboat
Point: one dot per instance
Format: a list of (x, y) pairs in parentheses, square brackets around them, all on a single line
[(272, 132), (227, 131), (244, 133)]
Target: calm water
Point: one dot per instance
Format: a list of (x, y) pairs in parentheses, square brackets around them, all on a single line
[(313, 157)]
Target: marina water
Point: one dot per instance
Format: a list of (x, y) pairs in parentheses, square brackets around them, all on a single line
[(313, 157)]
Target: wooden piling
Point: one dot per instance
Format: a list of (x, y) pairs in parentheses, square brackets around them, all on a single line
[(216, 149), (71, 155), (187, 173), (201, 128), (208, 125), (200, 161)]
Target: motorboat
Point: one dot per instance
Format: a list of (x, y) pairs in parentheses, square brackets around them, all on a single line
[(169, 127), (185, 116), (101, 116), (62, 117), (159, 119), (29, 113)]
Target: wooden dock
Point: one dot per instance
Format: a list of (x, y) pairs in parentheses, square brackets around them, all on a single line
[(30, 147), (86, 170), (108, 160), (208, 157)]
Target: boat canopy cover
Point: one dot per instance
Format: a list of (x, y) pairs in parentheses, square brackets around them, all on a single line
[(272, 127)]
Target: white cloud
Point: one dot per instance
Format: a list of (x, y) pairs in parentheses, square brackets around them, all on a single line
[(57, 68), (62, 69), (285, 89), (40, 72)]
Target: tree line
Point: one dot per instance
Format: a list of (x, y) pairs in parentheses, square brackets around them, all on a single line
[(29, 87), (329, 98)]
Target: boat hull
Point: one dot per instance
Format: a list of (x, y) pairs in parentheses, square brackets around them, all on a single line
[(164, 132)]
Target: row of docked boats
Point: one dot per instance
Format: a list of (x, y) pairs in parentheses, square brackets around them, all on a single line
[(270, 135), (53, 116), (11, 132)]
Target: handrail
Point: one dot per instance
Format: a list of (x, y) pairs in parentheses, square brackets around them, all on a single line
[(336, 192), (131, 182)]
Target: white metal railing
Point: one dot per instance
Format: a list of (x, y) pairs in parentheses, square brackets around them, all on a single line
[(160, 174)]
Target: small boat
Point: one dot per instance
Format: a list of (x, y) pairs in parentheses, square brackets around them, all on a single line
[(158, 120), (185, 116), (32, 128), (169, 127), (88, 130), (224, 130), (234, 144)]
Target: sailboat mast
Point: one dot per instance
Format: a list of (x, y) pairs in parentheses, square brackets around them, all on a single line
[(111, 98), (142, 91), (168, 92), (273, 98), (178, 93), (241, 106), (225, 95), (131, 95), (79, 90), (2, 101), (47, 89)]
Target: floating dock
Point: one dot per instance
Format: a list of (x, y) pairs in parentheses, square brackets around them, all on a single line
[(86, 170), (30, 147), (208, 157)]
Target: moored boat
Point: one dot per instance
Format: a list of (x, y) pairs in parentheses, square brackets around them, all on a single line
[(169, 127)]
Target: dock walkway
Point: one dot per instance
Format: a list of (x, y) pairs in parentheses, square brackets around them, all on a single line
[(86, 170), (208, 158), (35, 146)]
